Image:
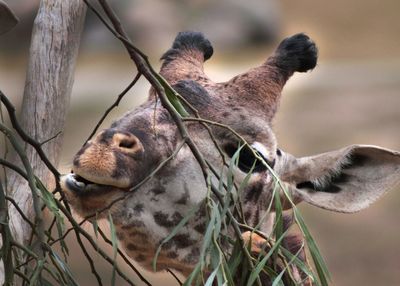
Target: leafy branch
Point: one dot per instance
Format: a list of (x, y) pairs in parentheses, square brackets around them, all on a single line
[(40, 264)]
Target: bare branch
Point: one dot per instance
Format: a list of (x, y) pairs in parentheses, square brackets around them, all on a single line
[(14, 168), (15, 124), (115, 104), (32, 185)]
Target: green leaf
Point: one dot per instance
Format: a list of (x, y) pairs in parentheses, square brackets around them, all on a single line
[(60, 230), (47, 197), (211, 278), (299, 263), (64, 267), (217, 225), (209, 233), (37, 273), (278, 211), (172, 96), (95, 227), (232, 165), (216, 259), (319, 262), (256, 271), (278, 279), (246, 179), (235, 258), (194, 275), (176, 102), (230, 190), (114, 242), (51, 204), (228, 274)]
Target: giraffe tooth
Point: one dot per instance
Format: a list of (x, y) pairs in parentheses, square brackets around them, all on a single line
[(80, 184)]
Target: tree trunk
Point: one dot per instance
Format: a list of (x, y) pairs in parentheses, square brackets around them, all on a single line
[(53, 52)]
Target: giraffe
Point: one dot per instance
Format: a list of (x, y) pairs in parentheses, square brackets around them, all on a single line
[(108, 167)]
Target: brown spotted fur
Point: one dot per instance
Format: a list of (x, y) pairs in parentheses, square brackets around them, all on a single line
[(122, 156)]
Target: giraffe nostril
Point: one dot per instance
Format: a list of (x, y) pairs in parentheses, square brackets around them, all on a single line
[(128, 144)]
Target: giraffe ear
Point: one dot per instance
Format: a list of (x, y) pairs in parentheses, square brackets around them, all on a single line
[(347, 180)]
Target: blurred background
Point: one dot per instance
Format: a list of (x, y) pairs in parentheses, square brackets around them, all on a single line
[(352, 97)]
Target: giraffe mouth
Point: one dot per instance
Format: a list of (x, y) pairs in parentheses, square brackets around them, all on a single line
[(81, 185)]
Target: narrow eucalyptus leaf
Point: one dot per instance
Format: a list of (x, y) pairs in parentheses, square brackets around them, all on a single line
[(64, 267), (278, 214), (211, 278), (172, 96), (36, 273), (236, 257), (319, 262), (299, 263), (278, 279), (114, 242), (259, 267), (193, 276), (47, 197), (95, 227)]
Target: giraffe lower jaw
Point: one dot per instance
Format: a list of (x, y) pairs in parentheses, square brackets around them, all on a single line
[(80, 185)]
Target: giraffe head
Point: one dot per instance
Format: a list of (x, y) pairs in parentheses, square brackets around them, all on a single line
[(140, 171)]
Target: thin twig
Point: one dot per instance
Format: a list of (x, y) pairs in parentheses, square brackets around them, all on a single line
[(6, 249), (14, 168), (24, 217), (89, 259), (32, 185), (50, 228), (25, 249), (216, 144), (205, 125), (5, 148), (22, 275), (123, 256), (94, 245), (51, 138), (36, 145), (115, 104)]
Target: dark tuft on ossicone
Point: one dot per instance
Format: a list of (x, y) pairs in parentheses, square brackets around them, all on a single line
[(297, 53), (189, 41)]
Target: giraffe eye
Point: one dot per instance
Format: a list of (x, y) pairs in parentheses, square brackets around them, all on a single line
[(247, 159)]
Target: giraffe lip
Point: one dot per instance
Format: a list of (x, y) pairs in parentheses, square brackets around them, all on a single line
[(91, 176), (82, 180), (78, 184), (81, 185)]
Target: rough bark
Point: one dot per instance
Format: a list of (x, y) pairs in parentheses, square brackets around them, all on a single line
[(54, 47)]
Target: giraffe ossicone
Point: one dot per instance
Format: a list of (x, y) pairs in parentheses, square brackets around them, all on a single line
[(120, 157)]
